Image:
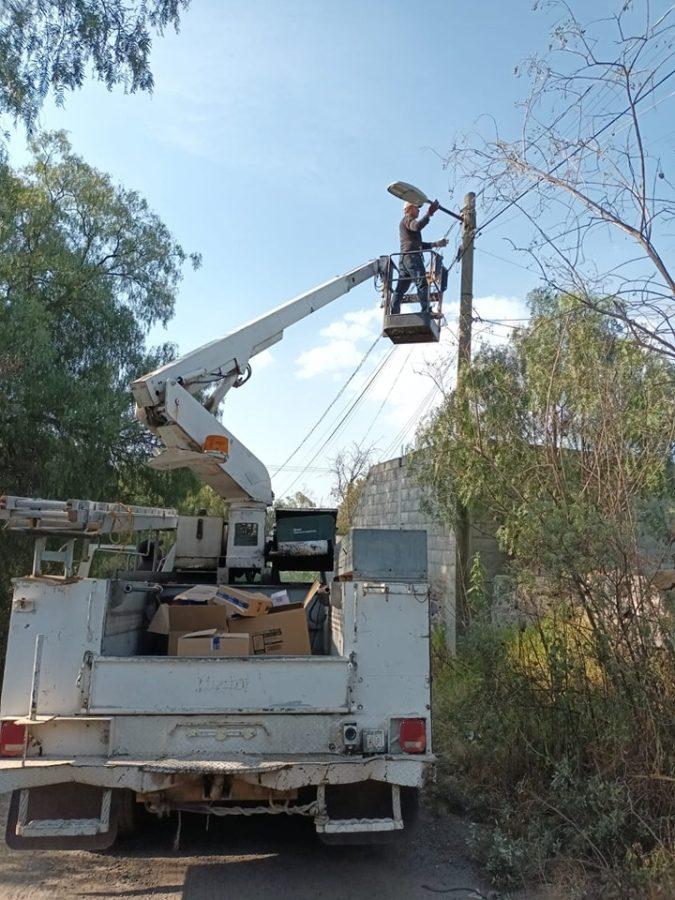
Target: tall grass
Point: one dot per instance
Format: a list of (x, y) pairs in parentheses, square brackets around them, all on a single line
[(564, 752)]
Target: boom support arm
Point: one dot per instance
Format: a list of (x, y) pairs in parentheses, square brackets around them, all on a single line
[(165, 400)]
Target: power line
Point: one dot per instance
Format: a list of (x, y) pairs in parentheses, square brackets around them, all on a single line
[(421, 410), (344, 418), (330, 406), (411, 422), (386, 397), (504, 259), (324, 469), (354, 405), (576, 151), (343, 414)]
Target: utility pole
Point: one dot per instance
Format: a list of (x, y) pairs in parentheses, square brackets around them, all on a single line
[(463, 522)]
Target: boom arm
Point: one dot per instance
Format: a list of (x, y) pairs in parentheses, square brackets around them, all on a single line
[(165, 400)]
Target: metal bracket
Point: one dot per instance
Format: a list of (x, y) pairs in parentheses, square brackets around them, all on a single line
[(63, 555)]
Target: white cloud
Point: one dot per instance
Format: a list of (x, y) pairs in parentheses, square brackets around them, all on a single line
[(354, 326), (335, 356), (345, 344), (511, 311), (404, 391), (262, 361)]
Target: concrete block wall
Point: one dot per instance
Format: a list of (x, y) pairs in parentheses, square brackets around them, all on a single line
[(392, 498)]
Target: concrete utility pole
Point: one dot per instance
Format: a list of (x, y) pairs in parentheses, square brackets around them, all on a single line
[(463, 523)]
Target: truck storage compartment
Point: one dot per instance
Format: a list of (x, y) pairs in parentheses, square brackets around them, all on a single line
[(144, 619)]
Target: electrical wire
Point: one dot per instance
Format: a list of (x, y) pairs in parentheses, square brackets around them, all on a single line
[(330, 406), (386, 397), (575, 152), (421, 410), (341, 417), (344, 419)]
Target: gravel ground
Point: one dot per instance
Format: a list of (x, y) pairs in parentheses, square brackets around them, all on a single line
[(251, 858)]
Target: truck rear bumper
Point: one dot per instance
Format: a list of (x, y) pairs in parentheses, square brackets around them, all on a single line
[(281, 774)]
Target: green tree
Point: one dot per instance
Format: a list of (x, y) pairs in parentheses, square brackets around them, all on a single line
[(298, 500), (85, 269), (565, 437), (560, 435), (51, 44)]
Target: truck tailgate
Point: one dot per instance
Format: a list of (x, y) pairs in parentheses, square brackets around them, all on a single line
[(165, 685)]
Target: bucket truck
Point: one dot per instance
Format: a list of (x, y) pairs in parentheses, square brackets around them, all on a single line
[(97, 720)]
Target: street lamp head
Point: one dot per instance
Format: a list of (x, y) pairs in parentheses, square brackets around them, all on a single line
[(408, 193)]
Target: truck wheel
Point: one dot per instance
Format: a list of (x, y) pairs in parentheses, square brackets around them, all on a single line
[(127, 813), (368, 800)]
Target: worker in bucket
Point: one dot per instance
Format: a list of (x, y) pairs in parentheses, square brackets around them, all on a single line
[(411, 265)]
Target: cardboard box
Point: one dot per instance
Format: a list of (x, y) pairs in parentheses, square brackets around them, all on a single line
[(200, 593), (239, 602), (176, 620), (282, 632), (280, 598), (212, 642)]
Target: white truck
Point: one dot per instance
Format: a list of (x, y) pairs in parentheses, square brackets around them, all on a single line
[(95, 724)]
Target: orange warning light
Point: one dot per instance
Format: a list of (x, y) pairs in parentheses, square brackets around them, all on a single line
[(217, 443)]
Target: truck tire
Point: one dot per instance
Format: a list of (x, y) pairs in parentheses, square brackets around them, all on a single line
[(128, 814), (368, 800)]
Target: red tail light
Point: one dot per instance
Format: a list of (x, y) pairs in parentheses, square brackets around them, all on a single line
[(12, 739), (413, 735)]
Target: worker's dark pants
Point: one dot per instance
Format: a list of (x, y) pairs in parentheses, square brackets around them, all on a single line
[(411, 269)]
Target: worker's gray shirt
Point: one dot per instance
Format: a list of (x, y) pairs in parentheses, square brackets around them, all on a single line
[(410, 234)]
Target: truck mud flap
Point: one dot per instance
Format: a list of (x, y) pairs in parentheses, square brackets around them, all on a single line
[(62, 817)]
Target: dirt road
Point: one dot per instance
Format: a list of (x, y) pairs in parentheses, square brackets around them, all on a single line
[(251, 858)]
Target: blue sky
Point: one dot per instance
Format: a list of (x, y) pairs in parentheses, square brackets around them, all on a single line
[(267, 146)]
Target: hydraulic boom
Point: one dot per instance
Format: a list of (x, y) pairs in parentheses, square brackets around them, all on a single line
[(173, 403)]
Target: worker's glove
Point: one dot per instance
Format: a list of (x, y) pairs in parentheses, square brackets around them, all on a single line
[(433, 207), (442, 243)]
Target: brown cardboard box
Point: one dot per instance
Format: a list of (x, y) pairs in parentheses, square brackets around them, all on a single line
[(174, 621), (212, 642), (239, 602), (282, 632), (200, 593)]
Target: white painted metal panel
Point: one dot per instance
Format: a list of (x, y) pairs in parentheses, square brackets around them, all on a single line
[(69, 617), (387, 628), (187, 685)]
